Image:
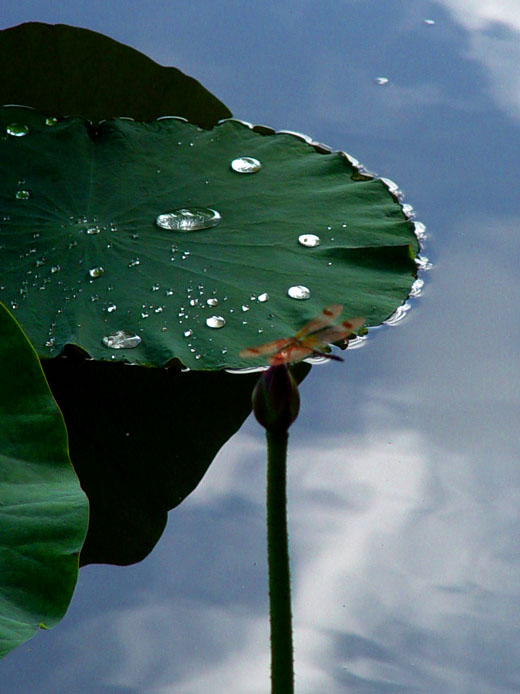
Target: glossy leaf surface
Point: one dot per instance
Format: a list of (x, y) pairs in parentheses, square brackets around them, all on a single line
[(84, 259), (43, 512)]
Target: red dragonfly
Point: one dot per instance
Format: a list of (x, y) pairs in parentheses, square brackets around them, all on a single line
[(309, 340)]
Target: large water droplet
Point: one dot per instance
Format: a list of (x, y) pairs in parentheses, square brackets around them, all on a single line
[(23, 195), (121, 340), (299, 292), (246, 165), (309, 240), (263, 297), (215, 322), (17, 130), (189, 219), (212, 301), (96, 272)]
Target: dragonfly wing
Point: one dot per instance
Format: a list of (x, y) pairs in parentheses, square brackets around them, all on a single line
[(353, 324), (333, 333), (290, 354), (324, 318), (266, 349)]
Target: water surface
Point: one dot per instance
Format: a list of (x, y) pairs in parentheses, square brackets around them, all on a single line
[(404, 489)]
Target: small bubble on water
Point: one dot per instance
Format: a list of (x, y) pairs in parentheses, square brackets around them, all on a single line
[(299, 292), (399, 315), (417, 287)]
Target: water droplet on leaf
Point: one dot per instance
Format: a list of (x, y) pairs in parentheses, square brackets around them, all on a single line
[(212, 301), (299, 292), (189, 219), (96, 272), (111, 308), (309, 240), (121, 340), (51, 121), (23, 195), (263, 297), (17, 130), (215, 322), (246, 165)]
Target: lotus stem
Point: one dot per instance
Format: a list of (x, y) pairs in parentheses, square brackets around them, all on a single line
[(282, 671)]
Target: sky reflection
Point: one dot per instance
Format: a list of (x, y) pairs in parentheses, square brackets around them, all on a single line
[(404, 489)]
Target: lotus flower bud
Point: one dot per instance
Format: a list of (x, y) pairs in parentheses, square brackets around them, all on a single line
[(276, 401)]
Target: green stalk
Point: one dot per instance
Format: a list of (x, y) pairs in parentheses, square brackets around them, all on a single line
[(282, 674)]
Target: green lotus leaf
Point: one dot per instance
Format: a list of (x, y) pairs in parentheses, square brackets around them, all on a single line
[(69, 71), (43, 512), (85, 261)]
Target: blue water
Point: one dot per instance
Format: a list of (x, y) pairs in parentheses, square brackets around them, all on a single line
[(404, 482)]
